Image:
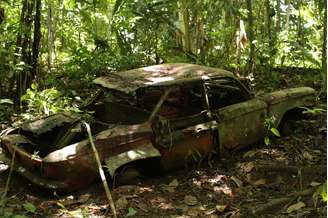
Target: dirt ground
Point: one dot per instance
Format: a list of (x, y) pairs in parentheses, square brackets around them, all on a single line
[(276, 180)]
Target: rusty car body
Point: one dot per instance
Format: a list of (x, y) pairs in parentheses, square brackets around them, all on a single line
[(170, 112)]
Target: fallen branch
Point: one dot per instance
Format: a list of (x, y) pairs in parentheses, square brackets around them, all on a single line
[(101, 171), (292, 169), (279, 202), (159, 105)]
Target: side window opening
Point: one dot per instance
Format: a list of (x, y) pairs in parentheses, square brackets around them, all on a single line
[(224, 92), (183, 100)]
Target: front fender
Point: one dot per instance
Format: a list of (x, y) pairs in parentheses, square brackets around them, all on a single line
[(143, 151), (280, 102)]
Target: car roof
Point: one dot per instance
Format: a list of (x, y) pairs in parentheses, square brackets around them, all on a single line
[(158, 75)]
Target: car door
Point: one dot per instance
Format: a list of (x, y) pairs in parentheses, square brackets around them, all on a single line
[(240, 116), (183, 131)]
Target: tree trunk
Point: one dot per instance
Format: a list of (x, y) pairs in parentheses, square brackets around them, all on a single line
[(300, 24), (184, 23), (238, 50), (29, 48), (324, 50), (36, 42), (287, 14), (50, 35), (200, 35), (278, 14), (2, 15), (251, 36), (24, 42)]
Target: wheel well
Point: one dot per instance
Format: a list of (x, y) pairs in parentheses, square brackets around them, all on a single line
[(293, 114), (147, 166)]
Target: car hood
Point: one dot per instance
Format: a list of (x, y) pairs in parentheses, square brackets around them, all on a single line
[(282, 95), (108, 142)]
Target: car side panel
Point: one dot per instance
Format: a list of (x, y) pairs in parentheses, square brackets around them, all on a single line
[(241, 124), (280, 102), (187, 145)]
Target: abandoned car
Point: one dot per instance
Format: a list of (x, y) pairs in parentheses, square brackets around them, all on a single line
[(173, 113)]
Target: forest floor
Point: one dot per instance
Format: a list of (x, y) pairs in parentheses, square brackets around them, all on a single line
[(275, 180)]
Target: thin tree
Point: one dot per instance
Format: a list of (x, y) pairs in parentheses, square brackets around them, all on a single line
[(324, 49), (250, 36), (184, 24), (50, 34)]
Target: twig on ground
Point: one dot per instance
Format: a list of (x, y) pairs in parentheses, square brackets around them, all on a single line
[(292, 169), (279, 202)]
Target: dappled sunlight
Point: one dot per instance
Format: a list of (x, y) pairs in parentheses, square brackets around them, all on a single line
[(217, 183), (225, 189), (64, 153), (131, 80), (159, 79), (161, 203), (278, 154), (134, 154)]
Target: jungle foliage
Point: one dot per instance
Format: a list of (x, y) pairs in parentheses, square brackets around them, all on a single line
[(66, 43)]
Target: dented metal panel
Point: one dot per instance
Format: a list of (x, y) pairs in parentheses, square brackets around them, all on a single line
[(41, 126), (287, 94), (281, 101), (140, 152), (241, 124), (193, 144), (57, 185), (164, 74)]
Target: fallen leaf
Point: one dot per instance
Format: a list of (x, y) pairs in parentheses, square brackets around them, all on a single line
[(169, 189), (182, 207), (193, 212), (84, 198), (209, 212), (307, 155), (260, 182), (238, 182), (29, 207), (313, 184), (3, 167), (190, 200), (248, 167), (295, 207), (174, 183), (143, 207), (121, 203), (207, 186), (69, 200), (249, 154), (220, 208), (76, 213), (131, 212)]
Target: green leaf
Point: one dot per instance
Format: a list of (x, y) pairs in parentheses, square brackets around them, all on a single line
[(6, 101), (275, 131), (131, 212), (266, 140), (19, 216), (324, 191), (34, 86), (118, 4), (29, 207)]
